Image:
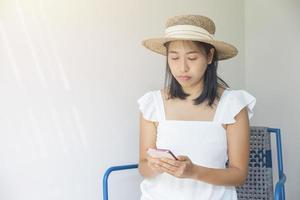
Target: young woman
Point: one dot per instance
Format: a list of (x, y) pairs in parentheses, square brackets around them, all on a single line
[(196, 116)]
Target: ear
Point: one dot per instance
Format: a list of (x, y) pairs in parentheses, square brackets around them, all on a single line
[(211, 55)]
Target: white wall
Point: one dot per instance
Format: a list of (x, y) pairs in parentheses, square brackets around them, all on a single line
[(72, 70), (272, 63)]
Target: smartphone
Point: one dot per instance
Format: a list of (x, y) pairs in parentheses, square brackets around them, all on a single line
[(161, 153)]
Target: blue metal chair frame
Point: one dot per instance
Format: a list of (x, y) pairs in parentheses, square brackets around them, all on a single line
[(279, 188), (279, 193), (107, 173)]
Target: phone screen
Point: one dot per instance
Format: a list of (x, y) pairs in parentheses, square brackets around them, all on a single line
[(161, 153)]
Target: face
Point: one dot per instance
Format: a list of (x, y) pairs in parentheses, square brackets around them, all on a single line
[(188, 62)]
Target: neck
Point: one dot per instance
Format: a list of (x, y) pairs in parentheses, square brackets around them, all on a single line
[(194, 90)]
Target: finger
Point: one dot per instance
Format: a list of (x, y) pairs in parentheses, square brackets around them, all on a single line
[(153, 160), (168, 166), (167, 170), (171, 162), (153, 165), (156, 168), (182, 158)]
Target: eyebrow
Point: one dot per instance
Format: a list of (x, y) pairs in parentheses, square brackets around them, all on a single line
[(186, 53)]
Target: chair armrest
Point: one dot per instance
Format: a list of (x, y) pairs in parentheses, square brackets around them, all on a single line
[(279, 188), (108, 171)]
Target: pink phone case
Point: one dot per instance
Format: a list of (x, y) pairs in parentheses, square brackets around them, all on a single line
[(161, 153)]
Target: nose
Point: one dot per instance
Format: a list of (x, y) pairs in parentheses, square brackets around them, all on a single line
[(184, 66)]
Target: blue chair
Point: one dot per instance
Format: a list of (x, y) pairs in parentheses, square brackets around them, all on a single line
[(259, 183)]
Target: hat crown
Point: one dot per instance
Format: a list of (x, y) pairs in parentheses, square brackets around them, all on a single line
[(194, 20)]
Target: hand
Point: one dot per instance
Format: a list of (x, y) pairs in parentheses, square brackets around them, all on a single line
[(153, 164), (181, 168)]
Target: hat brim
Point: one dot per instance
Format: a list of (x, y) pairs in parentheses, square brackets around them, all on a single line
[(225, 50)]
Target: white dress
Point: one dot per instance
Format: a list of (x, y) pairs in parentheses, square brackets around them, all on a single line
[(204, 142)]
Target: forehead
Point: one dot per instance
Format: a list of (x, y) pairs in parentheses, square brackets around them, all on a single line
[(183, 46)]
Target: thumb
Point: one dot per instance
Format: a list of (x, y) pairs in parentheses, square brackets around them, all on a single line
[(182, 158)]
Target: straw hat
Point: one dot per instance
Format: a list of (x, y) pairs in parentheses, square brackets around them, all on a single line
[(190, 27)]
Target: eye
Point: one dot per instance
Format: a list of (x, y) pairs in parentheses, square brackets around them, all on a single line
[(174, 58), (193, 58)]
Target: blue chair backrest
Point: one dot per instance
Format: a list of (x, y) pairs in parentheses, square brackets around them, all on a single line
[(259, 183)]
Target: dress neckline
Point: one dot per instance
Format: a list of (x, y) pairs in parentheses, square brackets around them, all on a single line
[(190, 121)]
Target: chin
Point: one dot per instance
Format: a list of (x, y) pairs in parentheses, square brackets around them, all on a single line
[(185, 84)]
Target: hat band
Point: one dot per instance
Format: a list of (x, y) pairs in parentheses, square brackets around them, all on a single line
[(188, 31)]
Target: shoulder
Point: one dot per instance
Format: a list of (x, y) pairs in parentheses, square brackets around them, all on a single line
[(239, 94), (234, 100), (147, 104)]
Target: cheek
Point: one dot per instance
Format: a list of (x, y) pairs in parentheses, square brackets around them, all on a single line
[(173, 67), (199, 69)]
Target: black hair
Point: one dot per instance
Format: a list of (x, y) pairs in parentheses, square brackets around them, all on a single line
[(211, 79)]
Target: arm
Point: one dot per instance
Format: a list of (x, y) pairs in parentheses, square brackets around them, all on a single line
[(147, 140), (238, 153)]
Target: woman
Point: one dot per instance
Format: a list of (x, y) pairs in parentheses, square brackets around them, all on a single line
[(196, 116)]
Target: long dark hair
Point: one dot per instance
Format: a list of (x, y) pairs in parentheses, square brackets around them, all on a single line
[(211, 79)]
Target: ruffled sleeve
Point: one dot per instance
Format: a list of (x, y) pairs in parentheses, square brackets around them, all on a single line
[(147, 106), (236, 100)]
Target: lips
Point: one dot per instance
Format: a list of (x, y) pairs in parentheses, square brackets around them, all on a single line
[(184, 78)]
